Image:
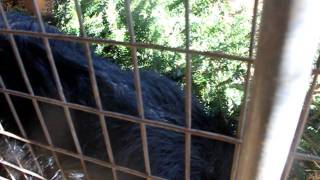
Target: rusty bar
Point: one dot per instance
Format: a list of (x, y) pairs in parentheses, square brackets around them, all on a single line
[(96, 90), (300, 128), (124, 117), (306, 157), (137, 83), (188, 95), (244, 108), (253, 28), (316, 71), (288, 41), (213, 54), (241, 124), (60, 88)]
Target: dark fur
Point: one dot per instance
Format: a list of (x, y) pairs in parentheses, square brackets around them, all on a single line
[(163, 101)]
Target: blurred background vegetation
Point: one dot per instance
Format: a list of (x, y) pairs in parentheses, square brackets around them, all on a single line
[(215, 25)]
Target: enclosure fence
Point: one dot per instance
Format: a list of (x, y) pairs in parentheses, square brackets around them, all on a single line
[(144, 122)]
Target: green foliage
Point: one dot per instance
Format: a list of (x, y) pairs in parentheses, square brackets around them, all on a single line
[(214, 26)]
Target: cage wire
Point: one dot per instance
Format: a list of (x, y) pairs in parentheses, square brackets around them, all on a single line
[(16, 166)]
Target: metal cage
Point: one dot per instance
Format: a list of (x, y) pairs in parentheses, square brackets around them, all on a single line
[(248, 153)]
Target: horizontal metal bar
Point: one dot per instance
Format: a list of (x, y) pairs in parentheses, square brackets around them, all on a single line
[(126, 44), (3, 178), (306, 157), (78, 156), (152, 123), (8, 164), (316, 71)]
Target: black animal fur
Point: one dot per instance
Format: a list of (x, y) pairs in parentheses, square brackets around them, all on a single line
[(163, 101)]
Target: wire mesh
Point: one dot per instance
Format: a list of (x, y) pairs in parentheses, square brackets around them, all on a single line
[(104, 115)]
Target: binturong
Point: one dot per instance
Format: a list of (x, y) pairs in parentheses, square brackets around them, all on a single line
[(163, 102)]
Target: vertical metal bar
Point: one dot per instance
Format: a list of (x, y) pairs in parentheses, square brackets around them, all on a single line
[(288, 41), (96, 91), (188, 96), (137, 84), (300, 128), (244, 108), (241, 124), (60, 89), (30, 90)]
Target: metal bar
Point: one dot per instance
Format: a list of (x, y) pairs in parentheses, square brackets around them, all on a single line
[(316, 71), (4, 178), (96, 90), (300, 128), (288, 41), (302, 121), (188, 95), (306, 157), (77, 156), (29, 88), (149, 122), (244, 108), (138, 45), (60, 88), (253, 28), (137, 84), (241, 124), (5, 163)]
